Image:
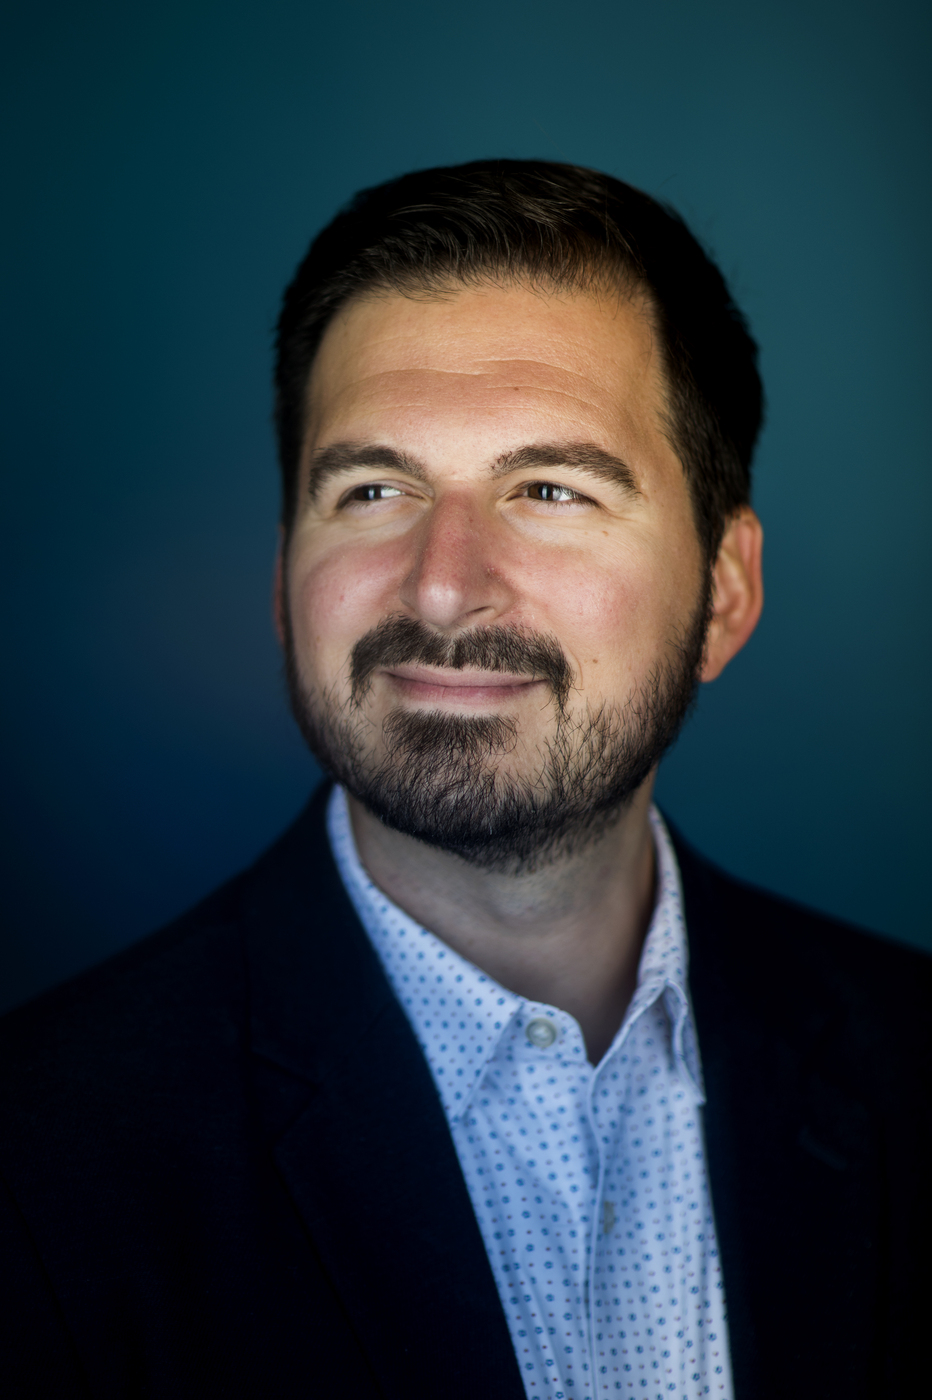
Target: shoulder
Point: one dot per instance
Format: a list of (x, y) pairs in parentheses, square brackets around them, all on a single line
[(170, 1007), (192, 960), (765, 929), (190, 966), (793, 963)]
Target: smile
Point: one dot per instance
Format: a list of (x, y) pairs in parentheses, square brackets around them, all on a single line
[(445, 686)]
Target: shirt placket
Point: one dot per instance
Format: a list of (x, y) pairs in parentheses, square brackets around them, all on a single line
[(606, 1108), (569, 1177), (604, 1123)]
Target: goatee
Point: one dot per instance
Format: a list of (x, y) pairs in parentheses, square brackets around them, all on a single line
[(441, 779)]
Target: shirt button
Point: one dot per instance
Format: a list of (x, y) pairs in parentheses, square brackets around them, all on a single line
[(541, 1032)]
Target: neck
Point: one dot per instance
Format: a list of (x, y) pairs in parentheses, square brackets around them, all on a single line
[(569, 934)]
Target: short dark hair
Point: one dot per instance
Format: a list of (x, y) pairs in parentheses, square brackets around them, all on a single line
[(546, 223)]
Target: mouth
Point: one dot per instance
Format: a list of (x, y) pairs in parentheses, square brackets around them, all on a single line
[(472, 689)]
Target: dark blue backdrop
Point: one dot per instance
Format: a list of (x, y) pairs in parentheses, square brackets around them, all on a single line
[(168, 164)]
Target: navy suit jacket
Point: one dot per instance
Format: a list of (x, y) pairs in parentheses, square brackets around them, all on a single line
[(226, 1172)]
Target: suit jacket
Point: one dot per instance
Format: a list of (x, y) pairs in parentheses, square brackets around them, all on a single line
[(226, 1172)]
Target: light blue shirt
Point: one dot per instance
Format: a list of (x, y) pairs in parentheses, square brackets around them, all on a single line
[(588, 1182)]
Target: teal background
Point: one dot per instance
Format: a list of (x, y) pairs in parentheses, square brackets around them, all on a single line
[(166, 166)]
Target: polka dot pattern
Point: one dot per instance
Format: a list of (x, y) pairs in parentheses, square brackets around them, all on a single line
[(588, 1182)]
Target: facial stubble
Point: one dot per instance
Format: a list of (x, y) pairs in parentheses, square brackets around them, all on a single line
[(440, 777)]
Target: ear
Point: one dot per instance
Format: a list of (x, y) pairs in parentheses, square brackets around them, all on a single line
[(278, 588), (737, 591)]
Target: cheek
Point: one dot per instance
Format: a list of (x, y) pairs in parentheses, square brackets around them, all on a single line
[(337, 596), (611, 614)]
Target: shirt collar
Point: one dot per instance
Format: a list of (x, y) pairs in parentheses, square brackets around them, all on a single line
[(451, 1003)]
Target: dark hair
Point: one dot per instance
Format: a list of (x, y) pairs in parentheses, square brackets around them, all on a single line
[(543, 222)]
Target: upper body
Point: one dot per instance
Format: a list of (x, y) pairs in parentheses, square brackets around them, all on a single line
[(516, 410), (227, 1171)]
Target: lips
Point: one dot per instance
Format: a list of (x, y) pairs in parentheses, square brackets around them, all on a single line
[(449, 686)]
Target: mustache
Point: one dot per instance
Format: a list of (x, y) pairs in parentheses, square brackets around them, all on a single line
[(405, 641)]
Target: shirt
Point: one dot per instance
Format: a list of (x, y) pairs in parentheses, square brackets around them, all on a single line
[(588, 1181)]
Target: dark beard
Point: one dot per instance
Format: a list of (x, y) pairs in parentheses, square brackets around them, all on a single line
[(440, 781)]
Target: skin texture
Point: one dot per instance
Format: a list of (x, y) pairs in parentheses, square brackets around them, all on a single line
[(467, 528)]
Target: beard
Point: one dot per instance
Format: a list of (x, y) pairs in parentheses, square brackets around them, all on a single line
[(441, 777)]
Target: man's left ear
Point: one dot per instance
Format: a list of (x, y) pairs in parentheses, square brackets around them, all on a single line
[(737, 591)]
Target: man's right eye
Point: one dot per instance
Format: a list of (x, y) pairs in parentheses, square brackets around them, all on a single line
[(372, 491)]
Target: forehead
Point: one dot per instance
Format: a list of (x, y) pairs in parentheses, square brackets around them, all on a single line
[(487, 360)]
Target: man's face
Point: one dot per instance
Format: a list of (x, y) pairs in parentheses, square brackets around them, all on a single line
[(493, 594)]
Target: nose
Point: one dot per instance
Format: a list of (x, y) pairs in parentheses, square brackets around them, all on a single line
[(455, 579)]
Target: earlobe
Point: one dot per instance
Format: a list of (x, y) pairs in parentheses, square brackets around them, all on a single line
[(738, 591)]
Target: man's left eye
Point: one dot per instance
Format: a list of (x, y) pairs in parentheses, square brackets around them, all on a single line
[(549, 491)]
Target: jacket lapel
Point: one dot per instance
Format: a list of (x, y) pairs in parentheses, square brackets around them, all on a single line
[(363, 1145), (793, 1154)]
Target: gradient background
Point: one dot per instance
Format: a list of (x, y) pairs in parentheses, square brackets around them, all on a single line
[(167, 165)]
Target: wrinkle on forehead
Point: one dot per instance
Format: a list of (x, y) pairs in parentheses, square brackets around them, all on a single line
[(578, 363), (499, 338), (419, 384), (394, 324)]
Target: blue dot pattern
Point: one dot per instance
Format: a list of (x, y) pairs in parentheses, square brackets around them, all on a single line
[(588, 1182)]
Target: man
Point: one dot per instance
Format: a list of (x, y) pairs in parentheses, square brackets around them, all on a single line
[(480, 1082)]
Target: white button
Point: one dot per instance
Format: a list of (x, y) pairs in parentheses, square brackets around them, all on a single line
[(541, 1032)]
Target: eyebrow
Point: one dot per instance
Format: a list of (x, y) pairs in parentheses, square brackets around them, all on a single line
[(341, 457), (578, 456)]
